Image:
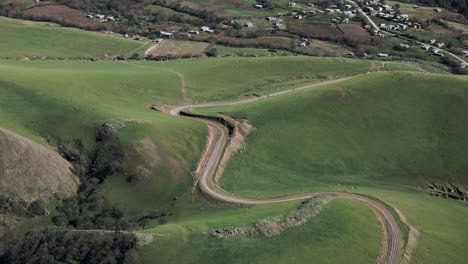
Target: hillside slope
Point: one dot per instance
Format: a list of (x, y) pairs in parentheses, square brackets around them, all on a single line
[(37, 39), (30, 171)]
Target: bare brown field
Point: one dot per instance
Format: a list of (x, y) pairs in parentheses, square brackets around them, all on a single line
[(60, 13), (355, 33)]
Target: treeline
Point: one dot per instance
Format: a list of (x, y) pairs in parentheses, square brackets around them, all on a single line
[(89, 209), (52, 246), (19, 207), (460, 6)]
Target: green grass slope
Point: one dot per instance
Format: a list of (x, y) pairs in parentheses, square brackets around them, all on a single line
[(22, 38), (391, 128), (344, 232), (67, 100), (382, 134)]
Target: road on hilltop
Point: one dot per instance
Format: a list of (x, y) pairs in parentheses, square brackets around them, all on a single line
[(392, 248)]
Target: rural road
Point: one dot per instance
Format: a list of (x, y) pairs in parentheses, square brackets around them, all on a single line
[(394, 242)]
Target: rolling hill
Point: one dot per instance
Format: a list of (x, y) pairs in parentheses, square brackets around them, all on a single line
[(48, 40), (385, 134)]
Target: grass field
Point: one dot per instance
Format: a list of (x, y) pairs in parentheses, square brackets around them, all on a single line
[(344, 232), (177, 48), (67, 99), (385, 134), (38, 40)]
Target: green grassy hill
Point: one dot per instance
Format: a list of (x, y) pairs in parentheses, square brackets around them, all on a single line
[(66, 100), (392, 128), (384, 134), (22, 38), (344, 232), (62, 101)]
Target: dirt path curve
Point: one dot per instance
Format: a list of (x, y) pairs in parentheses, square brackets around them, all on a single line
[(394, 242)]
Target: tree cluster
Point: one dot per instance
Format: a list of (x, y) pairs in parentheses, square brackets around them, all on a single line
[(49, 246)]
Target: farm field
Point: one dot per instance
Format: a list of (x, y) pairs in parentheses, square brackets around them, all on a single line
[(386, 134), (38, 40), (177, 48)]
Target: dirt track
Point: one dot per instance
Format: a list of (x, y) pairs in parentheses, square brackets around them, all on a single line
[(390, 255)]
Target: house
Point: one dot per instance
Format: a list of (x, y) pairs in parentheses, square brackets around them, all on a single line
[(367, 27), (166, 34), (438, 53), (465, 53), (404, 45), (311, 5), (433, 41), (99, 16), (440, 45), (383, 26), (382, 55), (348, 6), (387, 7), (349, 13), (425, 47), (126, 35), (258, 6), (207, 29), (111, 18), (346, 21), (195, 32), (158, 40), (403, 26), (90, 16), (249, 25), (271, 19), (381, 35), (437, 10), (291, 4), (302, 44), (103, 20), (299, 17)]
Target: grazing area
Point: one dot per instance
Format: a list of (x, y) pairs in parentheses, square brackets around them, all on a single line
[(355, 132), (47, 40), (387, 134), (336, 235), (233, 131), (177, 49)]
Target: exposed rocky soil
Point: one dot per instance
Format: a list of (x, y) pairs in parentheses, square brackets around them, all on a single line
[(449, 191)]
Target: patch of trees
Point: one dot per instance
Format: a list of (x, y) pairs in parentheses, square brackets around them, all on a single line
[(19, 207), (50, 246), (89, 209)]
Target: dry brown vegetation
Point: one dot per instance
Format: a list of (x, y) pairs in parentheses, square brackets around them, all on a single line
[(59, 12), (31, 171)]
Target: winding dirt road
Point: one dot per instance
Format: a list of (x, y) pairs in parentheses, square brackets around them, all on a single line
[(392, 246)]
